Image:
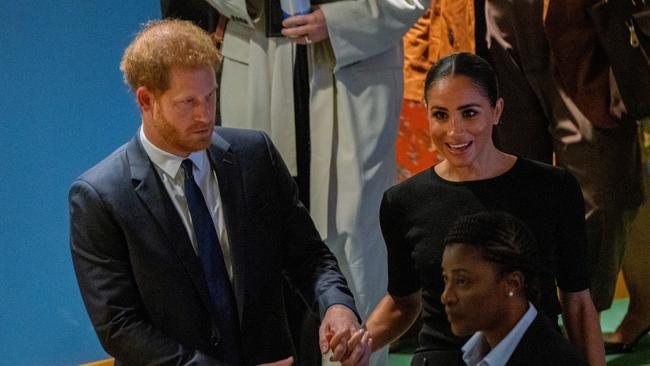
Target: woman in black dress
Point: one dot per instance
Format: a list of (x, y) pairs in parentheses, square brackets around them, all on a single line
[(463, 104)]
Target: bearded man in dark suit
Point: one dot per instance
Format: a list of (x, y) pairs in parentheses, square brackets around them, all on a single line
[(181, 238)]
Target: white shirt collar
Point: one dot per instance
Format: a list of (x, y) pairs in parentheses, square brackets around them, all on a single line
[(475, 349), (168, 162)]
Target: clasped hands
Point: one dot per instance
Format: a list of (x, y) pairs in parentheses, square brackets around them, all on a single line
[(340, 332), (306, 29)]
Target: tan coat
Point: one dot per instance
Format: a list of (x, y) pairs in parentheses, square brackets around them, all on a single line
[(445, 28)]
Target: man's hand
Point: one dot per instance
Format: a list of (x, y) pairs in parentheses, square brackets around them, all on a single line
[(337, 328), (361, 346), (285, 362), (305, 29)]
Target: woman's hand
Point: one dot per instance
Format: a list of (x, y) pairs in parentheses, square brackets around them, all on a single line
[(361, 347), (337, 328), (306, 29)]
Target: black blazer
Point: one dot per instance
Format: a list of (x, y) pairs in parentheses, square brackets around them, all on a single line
[(142, 283), (543, 345)]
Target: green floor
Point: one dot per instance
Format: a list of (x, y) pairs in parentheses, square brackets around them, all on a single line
[(609, 319)]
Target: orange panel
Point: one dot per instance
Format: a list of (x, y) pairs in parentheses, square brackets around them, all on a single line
[(107, 362), (621, 289), (414, 149)]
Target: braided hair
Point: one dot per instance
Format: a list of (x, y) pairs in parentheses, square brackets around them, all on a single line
[(503, 240)]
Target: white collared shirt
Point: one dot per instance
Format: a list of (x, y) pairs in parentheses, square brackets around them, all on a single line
[(476, 351), (169, 169)]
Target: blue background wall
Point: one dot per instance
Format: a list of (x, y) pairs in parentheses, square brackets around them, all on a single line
[(63, 107)]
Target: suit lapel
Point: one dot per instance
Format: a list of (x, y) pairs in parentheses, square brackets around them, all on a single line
[(231, 190), (521, 354), (154, 196)]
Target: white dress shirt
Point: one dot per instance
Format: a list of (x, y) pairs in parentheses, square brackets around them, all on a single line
[(476, 351), (169, 169)]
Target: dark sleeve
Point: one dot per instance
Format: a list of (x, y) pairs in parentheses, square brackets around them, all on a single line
[(311, 266), (200, 12), (402, 276), (572, 274), (102, 266)]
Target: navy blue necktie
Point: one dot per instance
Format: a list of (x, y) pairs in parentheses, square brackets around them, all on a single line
[(214, 267)]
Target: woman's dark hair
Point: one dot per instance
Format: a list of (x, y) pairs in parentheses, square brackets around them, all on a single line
[(466, 64), (503, 240)]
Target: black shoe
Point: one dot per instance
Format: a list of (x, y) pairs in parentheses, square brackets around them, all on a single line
[(620, 347)]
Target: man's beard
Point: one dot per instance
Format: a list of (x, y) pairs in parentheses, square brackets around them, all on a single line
[(177, 138)]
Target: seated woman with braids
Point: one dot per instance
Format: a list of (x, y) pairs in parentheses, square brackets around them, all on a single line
[(491, 274)]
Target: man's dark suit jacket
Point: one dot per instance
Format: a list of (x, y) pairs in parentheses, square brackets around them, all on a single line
[(543, 345), (142, 283)]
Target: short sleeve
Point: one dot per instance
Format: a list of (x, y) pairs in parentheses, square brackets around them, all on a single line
[(572, 273), (402, 276)]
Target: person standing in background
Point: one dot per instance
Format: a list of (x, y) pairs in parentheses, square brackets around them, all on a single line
[(552, 68), (636, 269)]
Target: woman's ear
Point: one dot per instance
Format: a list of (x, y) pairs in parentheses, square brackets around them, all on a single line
[(498, 109), (514, 283)]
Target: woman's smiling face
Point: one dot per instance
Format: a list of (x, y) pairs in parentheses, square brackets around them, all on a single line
[(461, 120)]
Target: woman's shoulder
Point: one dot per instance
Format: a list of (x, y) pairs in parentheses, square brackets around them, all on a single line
[(542, 344), (529, 164), (539, 171), (416, 193), (420, 181)]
